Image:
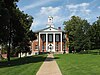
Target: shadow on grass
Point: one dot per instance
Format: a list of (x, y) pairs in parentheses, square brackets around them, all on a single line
[(93, 52), (22, 61), (51, 59)]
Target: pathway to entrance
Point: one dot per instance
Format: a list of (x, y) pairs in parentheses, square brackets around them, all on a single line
[(49, 67)]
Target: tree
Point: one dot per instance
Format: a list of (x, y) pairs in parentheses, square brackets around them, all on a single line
[(77, 29), (10, 5), (14, 25), (94, 35), (4, 21)]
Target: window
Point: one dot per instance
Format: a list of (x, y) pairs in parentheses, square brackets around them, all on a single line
[(43, 37), (57, 37), (64, 37), (36, 46), (50, 36)]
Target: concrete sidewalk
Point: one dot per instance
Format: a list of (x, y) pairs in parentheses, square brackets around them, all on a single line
[(49, 67)]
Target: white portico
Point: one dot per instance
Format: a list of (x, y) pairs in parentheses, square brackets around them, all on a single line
[(51, 39), (49, 36)]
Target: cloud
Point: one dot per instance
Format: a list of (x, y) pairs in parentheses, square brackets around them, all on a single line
[(75, 6), (60, 14), (36, 4), (78, 8), (41, 17), (99, 7), (49, 10), (87, 11), (84, 4), (56, 12)]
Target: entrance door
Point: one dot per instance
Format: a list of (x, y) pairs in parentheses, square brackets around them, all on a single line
[(50, 47)]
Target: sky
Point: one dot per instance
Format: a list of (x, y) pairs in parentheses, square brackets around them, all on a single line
[(61, 10)]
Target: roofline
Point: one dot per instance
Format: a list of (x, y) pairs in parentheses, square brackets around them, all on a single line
[(41, 29), (47, 28)]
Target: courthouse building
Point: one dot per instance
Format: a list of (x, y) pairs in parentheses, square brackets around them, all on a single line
[(50, 39)]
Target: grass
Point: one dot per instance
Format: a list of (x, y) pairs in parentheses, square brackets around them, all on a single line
[(79, 64), (24, 66), (94, 52)]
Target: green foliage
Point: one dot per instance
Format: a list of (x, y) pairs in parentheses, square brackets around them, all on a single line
[(77, 29), (4, 21), (14, 25), (94, 35), (82, 35)]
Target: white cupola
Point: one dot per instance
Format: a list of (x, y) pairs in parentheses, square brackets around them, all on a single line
[(50, 22)]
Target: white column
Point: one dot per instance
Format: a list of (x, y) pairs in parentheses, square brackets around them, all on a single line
[(54, 41), (39, 42), (46, 41), (61, 41)]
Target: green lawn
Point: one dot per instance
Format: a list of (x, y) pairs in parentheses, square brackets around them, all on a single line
[(23, 66), (79, 64)]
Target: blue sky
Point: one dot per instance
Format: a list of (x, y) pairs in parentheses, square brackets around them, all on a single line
[(61, 10)]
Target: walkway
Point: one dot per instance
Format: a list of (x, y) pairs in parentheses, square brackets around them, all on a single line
[(49, 67)]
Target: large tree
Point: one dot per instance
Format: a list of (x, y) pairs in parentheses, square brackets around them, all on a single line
[(14, 25), (77, 29), (93, 35)]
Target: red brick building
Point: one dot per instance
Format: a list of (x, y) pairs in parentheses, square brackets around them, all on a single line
[(50, 39)]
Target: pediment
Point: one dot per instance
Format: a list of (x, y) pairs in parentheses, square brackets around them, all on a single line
[(51, 29)]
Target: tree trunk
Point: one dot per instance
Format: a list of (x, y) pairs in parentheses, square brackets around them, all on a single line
[(8, 52), (9, 42), (1, 51)]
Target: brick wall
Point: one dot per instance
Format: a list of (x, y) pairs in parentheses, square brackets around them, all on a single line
[(41, 44)]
